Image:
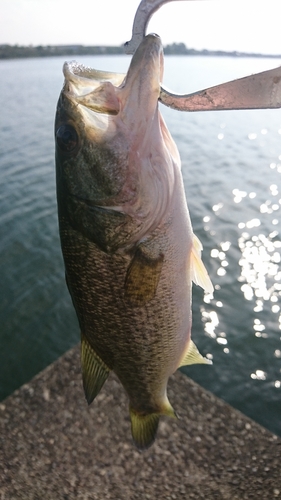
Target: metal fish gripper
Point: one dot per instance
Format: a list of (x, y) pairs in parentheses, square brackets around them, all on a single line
[(258, 91)]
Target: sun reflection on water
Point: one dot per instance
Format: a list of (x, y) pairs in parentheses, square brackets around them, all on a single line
[(237, 216), (259, 272), (259, 375), (221, 255)]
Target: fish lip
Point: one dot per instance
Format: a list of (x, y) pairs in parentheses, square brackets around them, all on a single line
[(140, 91), (83, 76), (149, 42), (148, 56), (81, 80), (97, 96)]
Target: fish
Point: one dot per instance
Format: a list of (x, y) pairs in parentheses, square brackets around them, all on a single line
[(129, 250)]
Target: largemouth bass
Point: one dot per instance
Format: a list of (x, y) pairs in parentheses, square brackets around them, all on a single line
[(129, 250)]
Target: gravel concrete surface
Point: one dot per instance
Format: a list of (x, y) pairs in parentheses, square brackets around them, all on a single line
[(54, 447)]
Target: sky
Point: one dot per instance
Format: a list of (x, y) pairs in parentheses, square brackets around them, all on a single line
[(242, 25)]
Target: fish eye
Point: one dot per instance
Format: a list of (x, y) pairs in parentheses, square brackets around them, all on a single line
[(67, 138)]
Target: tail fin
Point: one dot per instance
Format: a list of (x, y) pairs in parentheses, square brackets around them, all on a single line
[(144, 427)]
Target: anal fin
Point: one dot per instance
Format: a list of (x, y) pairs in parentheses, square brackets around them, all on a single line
[(94, 370), (192, 356)]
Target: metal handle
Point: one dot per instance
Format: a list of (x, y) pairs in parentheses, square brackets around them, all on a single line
[(259, 91), (143, 15)]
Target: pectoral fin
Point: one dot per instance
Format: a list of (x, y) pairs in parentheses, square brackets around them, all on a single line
[(143, 277), (192, 356), (199, 273), (94, 370)]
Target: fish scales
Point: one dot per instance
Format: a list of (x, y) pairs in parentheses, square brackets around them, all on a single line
[(129, 250), (123, 333)]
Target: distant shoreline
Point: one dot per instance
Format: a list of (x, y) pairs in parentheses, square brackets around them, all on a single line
[(21, 51)]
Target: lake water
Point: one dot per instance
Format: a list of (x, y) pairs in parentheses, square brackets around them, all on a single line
[(231, 163)]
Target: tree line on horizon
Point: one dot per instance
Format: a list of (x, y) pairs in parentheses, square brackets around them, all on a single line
[(20, 51)]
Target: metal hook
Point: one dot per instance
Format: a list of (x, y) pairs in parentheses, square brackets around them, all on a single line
[(259, 91), (145, 11)]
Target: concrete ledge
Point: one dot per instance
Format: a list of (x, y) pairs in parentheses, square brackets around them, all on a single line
[(53, 447)]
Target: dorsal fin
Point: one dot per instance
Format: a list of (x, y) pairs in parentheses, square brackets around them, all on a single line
[(94, 370)]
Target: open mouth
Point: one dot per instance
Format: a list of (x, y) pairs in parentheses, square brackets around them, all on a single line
[(101, 91)]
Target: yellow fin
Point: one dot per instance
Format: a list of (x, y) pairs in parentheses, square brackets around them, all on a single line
[(144, 427), (94, 370), (192, 356), (143, 276), (199, 273)]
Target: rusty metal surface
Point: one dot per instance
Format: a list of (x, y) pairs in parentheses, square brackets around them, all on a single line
[(259, 91)]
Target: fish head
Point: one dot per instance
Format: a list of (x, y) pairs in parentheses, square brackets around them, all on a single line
[(112, 147), (87, 159)]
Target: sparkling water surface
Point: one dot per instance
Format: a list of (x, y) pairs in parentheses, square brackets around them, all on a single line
[(231, 164)]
